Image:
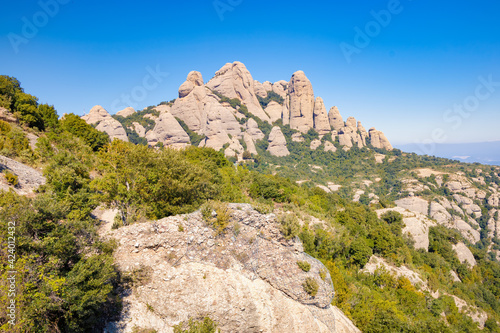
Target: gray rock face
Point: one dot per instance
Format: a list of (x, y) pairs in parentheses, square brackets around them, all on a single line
[(379, 140), (336, 121), (321, 122), (191, 272), (139, 129), (235, 81), (249, 141), (330, 147), (301, 97), (281, 88), (277, 143), (168, 131), (191, 109), (259, 88), (315, 144), (96, 114), (253, 130)]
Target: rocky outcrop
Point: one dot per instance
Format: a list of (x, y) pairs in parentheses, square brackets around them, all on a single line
[(315, 144), (105, 123), (464, 254), (274, 110), (235, 81), (245, 281), (321, 122), (277, 143), (336, 121), (194, 79), (168, 131), (330, 147), (29, 179), (139, 129), (379, 140), (249, 141), (253, 130), (126, 112), (414, 204), (416, 225), (301, 98), (281, 88)]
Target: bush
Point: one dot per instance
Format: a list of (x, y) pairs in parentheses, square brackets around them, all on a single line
[(217, 215), (289, 225), (205, 325), (311, 286), (304, 265), (11, 178)]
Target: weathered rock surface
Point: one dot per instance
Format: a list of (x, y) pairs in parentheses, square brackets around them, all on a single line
[(126, 112), (274, 111), (139, 129), (414, 204), (253, 130), (315, 144), (379, 140), (105, 123), (321, 122), (246, 282), (301, 96), (277, 143), (29, 179), (330, 147), (464, 254), (235, 81), (168, 131), (194, 79), (336, 121)]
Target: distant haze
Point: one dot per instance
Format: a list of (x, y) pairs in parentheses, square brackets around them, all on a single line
[(481, 152)]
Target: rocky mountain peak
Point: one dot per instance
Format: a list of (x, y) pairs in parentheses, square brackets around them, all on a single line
[(96, 114), (301, 97)]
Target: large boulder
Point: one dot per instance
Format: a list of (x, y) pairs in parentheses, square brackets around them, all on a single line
[(235, 81), (126, 112), (301, 97), (274, 110), (277, 143), (105, 123), (414, 204), (95, 115), (464, 254)]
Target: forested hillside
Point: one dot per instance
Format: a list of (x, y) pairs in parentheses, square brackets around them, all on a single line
[(342, 205)]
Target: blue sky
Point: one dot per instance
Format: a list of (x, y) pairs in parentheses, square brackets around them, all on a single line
[(410, 75)]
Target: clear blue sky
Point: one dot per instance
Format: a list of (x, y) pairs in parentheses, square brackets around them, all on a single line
[(415, 67)]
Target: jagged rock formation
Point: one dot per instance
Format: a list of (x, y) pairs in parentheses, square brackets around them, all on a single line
[(245, 282), (105, 123), (218, 109), (235, 81)]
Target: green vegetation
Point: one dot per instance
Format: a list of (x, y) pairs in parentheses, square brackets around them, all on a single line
[(271, 96), (11, 178), (78, 127), (205, 325), (193, 136), (217, 215), (311, 286), (304, 265)]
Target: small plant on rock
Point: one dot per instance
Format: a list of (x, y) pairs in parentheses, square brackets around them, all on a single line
[(289, 225), (216, 214), (205, 325), (11, 178), (311, 286), (304, 265)]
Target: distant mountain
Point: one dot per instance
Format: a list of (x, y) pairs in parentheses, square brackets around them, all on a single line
[(235, 113), (481, 152)]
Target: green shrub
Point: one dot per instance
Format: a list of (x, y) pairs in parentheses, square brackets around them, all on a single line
[(311, 286), (216, 214), (289, 225), (11, 178), (304, 265), (205, 325)]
